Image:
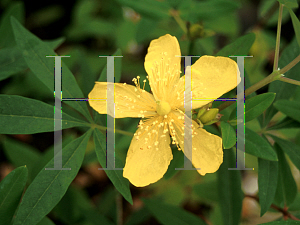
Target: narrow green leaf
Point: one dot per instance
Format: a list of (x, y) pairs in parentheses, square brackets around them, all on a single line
[(285, 124), (257, 105), (228, 135), (34, 52), (116, 176), (258, 146), (286, 186), (76, 208), (240, 46), (296, 25), (284, 90), (20, 115), (289, 108), (13, 62), (11, 187), (176, 162), (267, 183), (152, 9), (291, 149), (289, 222), (197, 10), (207, 191), (49, 186), (229, 190), (16, 10), (171, 215), (117, 68), (21, 154), (289, 3), (46, 221)]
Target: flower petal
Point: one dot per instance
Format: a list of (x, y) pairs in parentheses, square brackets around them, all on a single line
[(207, 152), (162, 64), (148, 158), (211, 78), (129, 101)]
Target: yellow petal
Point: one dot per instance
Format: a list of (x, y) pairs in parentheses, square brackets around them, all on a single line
[(129, 101), (148, 158), (211, 78), (207, 152), (162, 65)]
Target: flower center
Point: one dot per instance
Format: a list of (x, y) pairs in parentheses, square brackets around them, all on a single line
[(162, 108)]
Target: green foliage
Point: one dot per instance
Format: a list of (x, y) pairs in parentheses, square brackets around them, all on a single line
[(49, 186), (11, 187), (116, 176), (230, 194), (84, 195), (267, 183), (258, 146), (21, 115), (168, 214), (228, 135)]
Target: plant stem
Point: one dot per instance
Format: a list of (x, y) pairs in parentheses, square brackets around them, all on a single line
[(273, 76), (119, 207), (288, 80), (276, 75), (285, 212), (277, 48), (179, 21), (116, 130)]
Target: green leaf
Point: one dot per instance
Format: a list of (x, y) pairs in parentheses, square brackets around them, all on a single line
[(194, 11), (241, 46), (267, 183), (289, 108), (156, 10), (286, 186), (284, 90), (116, 176), (258, 146), (21, 154), (171, 215), (285, 123), (289, 3), (34, 52), (12, 61), (289, 222), (49, 186), (296, 25), (16, 10), (228, 135), (207, 191), (46, 221), (117, 67), (291, 149), (176, 162), (257, 105), (20, 115), (76, 208), (11, 187), (229, 190)]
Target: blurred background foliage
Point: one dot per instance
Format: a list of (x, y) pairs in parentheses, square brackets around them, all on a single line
[(85, 29)]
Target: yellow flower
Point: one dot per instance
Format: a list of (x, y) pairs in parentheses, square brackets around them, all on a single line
[(162, 112)]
